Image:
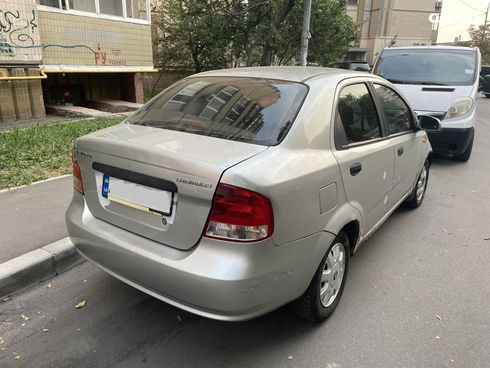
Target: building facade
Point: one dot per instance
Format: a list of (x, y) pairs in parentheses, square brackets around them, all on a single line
[(395, 22), (71, 52)]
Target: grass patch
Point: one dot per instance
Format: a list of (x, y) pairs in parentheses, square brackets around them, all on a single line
[(44, 151)]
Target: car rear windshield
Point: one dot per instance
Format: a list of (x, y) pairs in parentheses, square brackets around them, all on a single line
[(250, 110), (429, 66)]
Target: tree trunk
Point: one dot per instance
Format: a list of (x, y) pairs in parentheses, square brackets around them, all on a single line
[(268, 49)]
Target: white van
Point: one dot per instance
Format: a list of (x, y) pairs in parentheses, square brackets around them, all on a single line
[(441, 81)]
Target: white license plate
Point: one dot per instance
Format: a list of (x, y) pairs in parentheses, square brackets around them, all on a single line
[(137, 196)]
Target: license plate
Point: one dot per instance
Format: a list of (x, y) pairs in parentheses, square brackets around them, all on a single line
[(137, 196)]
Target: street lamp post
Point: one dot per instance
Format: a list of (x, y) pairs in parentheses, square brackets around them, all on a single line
[(485, 24), (305, 32)]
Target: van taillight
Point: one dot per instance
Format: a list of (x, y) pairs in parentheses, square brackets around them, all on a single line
[(77, 173), (239, 214)]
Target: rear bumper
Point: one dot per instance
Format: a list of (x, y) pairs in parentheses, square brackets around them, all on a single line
[(451, 141), (216, 279)]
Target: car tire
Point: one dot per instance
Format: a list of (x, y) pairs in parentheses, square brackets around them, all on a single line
[(417, 195), (465, 156), (324, 292), (487, 95)]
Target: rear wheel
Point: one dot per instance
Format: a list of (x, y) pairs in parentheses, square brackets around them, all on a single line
[(465, 156), (487, 95), (416, 198), (324, 292)]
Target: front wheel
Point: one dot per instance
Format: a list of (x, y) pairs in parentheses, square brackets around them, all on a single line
[(416, 198), (324, 292)]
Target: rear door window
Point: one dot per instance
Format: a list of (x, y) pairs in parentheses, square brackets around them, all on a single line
[(251, 110), (357, 119), (398, 116)]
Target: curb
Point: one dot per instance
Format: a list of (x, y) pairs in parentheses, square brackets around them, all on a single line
[(37, 265), (36, 182)]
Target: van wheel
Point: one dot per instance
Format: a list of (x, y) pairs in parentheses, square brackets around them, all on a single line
[(324, 292), (465, 156), (416, 198)]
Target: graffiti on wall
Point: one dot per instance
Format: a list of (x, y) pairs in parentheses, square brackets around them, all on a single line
[(113, 58), (16, 29)]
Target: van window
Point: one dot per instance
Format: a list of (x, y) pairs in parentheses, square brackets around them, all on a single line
[(428, 66)]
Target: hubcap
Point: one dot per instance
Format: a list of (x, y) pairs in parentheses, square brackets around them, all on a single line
[(332, 275), (421, 184)]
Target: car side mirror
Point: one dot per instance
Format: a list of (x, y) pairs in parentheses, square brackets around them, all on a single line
[(429, 123)]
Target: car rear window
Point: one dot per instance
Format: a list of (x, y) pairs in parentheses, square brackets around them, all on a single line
[(251, 110)]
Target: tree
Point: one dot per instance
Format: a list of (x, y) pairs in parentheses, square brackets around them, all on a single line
[(211, 34), (192, 36), (480, 37)]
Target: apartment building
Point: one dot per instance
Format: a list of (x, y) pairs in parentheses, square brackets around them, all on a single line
[(397, 22), (71, 52)]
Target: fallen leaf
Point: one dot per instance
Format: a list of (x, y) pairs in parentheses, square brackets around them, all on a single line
[(45, 330), (81, 304), (1, 340), (179, 318), (25, 318), (438, 317), (23, 325), (49, 285), (438, 337), (290, 357), (84, 281), (17, 357)]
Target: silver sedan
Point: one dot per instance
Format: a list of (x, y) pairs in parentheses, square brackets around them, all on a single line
[(235, 192)]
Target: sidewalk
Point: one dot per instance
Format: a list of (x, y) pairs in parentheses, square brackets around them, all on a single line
[(33, 216), (34, 245)]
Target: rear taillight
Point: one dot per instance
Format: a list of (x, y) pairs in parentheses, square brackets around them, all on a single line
[(239, 214), (77, 173)]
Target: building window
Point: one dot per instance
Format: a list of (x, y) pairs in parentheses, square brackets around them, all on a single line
[(52, 3), (82, 5), (136, 9), (133, 9), (352, 2), (111, 7)]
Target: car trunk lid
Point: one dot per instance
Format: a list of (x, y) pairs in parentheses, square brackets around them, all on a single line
[(163, 180)]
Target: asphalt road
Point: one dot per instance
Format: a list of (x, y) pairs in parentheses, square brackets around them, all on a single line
[(33, 216), (418, 295)]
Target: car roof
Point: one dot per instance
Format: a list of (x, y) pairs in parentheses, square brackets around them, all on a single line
[(287, 73), (454, 48)]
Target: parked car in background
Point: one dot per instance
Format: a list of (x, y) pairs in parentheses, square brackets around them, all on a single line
[(441, 81), (234, 192), (359, 66), (485, 80)]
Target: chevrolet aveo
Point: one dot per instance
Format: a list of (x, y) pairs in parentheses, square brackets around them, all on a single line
[(234, 192)]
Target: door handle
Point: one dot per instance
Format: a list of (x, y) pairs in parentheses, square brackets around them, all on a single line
[(400, 151), (355, 169)]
